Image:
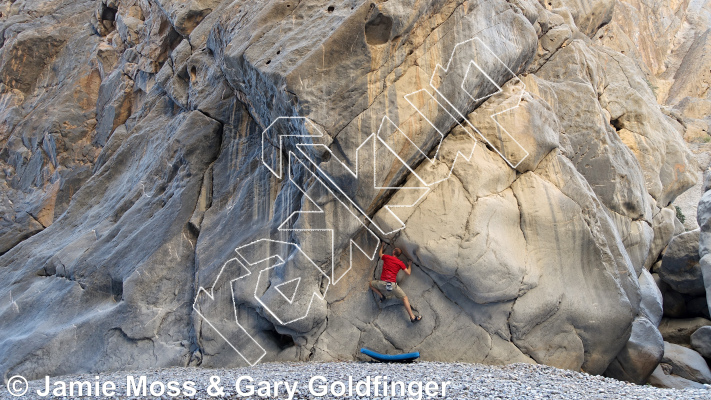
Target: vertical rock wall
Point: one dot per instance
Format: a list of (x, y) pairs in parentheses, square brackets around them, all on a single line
[(157, 211)]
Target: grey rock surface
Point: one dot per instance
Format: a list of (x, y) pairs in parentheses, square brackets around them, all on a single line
[(640, 356), (664, 227), (158, 211), (686, 363), (704, 219), (680, 265), (651, 303), (701, 341), (674, 304), (679, 330), (698, 307), (663, 378)]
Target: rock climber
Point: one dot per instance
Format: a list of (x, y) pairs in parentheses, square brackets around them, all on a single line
[(388, 280)]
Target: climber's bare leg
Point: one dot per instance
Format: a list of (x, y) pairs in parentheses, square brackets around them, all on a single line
[(406, 303), (380, 295)]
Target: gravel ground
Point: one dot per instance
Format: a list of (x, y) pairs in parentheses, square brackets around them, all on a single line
[(468, 381)]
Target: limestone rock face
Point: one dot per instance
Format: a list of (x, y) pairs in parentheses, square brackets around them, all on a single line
[(589, 16), (208, 182), (675, 62), (555, 309)]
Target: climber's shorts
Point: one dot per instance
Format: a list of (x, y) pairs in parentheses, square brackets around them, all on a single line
[(389, 294)]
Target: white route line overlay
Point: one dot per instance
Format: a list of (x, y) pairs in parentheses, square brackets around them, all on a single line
[(288, 298), (281, 261), (499, 90), (211, 296), (426, 188), (352, 243)]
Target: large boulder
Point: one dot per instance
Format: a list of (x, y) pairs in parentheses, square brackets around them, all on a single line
[(541, 305), (651, 304), (640, 356), (662, 377), (705, 266), (664, 225), (674, 304), (680, 265), (679, 331), (551, 306), (698, 307), (704, 219), (686, 363), (701, 341), (207, 183)]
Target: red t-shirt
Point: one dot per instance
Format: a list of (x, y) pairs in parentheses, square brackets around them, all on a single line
[(391, 266)]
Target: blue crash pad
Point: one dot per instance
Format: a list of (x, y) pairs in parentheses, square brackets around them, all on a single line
[(390, 358)]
